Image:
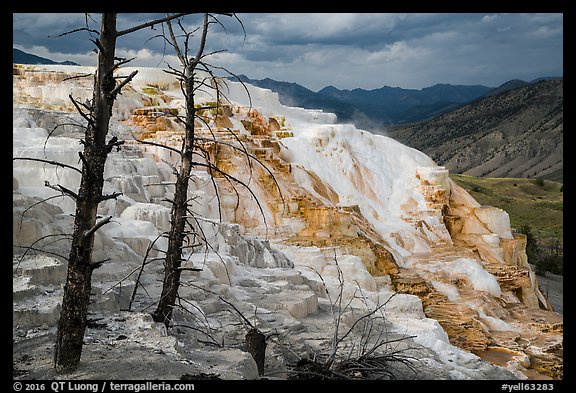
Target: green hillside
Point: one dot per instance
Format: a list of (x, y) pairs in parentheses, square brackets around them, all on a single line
[(534, 202)]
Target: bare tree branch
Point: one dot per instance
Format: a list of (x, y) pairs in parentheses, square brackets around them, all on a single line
[(31, 248), (159, 145), (37, 203), (77, 77), (174, 43), (114, 142), (98, 264), (98, 44), (75, 31), (62, 189), (99, 224), (123, 83), (150, 24), (114, 195), (61, 125), (88, 118), (121, 62), (48, 162), (200, 50)]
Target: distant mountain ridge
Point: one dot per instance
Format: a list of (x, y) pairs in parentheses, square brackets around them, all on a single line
[(377, 108), (516, 84), (509, 133), (21, 57)]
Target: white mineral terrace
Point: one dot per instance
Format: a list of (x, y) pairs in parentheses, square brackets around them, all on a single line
[(341, 186)]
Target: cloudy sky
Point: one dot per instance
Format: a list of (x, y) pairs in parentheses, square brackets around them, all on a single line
[(365, 50)]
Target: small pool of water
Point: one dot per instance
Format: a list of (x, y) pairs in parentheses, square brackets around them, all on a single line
[(501, 356)]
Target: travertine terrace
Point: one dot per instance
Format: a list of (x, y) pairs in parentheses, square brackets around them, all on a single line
[(325, 198)]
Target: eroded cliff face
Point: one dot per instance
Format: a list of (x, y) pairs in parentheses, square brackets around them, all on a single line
[(313, 190), (490, 326)]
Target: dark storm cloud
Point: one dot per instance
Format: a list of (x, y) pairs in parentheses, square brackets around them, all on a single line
[(42, 29), (343, 50)]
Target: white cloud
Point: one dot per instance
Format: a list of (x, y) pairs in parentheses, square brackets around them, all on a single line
[(397, 52), (544, 32), (489, 18)]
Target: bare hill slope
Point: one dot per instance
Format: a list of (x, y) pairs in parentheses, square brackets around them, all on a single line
[(518, 133)]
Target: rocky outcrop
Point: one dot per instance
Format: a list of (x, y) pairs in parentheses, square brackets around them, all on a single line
[(487, 231)]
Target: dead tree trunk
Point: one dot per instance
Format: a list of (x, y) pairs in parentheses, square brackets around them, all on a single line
[(177, 234), (72, 323), (76, 298), (181, 212), (256, 346)]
